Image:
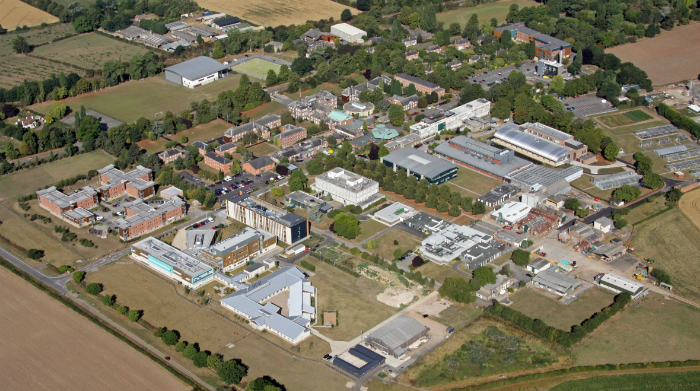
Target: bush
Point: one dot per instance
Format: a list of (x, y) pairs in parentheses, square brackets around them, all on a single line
[(122, 310), (65, 268), (34, 253), (214, 361), (134, 315), (94, 288), (108, 300), (78, 277), (306, 265), (232, 371)]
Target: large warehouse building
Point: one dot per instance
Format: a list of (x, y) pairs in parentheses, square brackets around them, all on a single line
[(421, 165), (619, 284), (348, 33), (480, 157), (398, 336), (510, 136), (196, 72), (347, 187)]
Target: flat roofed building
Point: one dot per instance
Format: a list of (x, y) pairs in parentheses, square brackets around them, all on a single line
[(511, 212), (484, 158), (535, 177), (397, 337), (406, 141), (619, 284), (451, 242), (554, 282), (394, 214), (305, 201), (421, 165), (172, 262), (426, 223), (360, 109), (72, 207), (538, 265), (196, 72), (347, 187), (348, 33), (114, 182), (358, 360), (288, 227), (532, 146), (499, 195), (451, 119), (171, 192), (290, 323), (142, 218), (499, 288), (235, 251)]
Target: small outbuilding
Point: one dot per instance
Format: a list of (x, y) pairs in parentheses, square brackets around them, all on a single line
[(538, 265), (171, 192)]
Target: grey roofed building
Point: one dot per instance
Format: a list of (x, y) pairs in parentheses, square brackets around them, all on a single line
[(555, 282), (134, 32), (406, 141), (259, 124), (488, 229), (425, 223), (306, 200), (482, 253), (63, 200), (177, 25), (200, 31), (610, 251), (184, 35), (538, 265), (261, 162), (535, 177), (421, 165), (199, 238), (499, 194), (511, 135), (157, 40), (481, 157), (145, 212), (240, 239), (196, 68), (397, 336), (170, 47), (171, 256), (219, 159), (417, 81)]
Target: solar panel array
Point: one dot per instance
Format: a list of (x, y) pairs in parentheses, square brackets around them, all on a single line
[(656, 131), (692, 163), (695, 172)]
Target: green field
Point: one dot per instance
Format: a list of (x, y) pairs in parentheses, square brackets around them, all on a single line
[(257, 68), (637, 115), (394, 240), (89, 50), (32, 179), (556, 314), (149, 98), (497, 10), (680, 381), (473, 184), (626, 118), (203, 132)]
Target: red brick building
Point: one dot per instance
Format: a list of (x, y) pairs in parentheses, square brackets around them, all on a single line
[(116, 183), (73, 208), (171, 155), (290, 135), (219, 163), (423, 86), (259, 165), (142, 218)]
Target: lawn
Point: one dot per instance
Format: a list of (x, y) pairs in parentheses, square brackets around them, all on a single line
[(394, 240), (203, 132), (584, 184), (149, 98), (625, 337), (626, 118), (438, 272), (257, 68), (645, 209), (637, 115), (139, 287), (22, 233), (673, 242), (497, 10), (89, 50), (355, 299), (32, 179), (557, 314), (368, 228), (263, 149), (271, 107), (485, 349), (458, 315), (475, 183), (681, 381), (332, 88)]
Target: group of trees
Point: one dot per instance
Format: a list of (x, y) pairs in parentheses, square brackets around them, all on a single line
[(461, 290), (346, 225)]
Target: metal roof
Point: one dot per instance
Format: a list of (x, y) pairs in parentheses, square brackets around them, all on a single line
[(172, 256), (395, 333), (512, 135), (196, 68), (419, 162)]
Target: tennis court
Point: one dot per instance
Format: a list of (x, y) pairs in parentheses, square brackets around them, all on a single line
[(257, 68)]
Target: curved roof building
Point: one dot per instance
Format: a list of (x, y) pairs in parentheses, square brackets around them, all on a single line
[(532, 146), (382, 132)]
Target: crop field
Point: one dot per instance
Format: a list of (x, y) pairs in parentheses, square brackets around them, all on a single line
[(395, 240), (557, 314), (40, 357), (485, 349), (621, 339), (473, 184), (354, 298), (683, 381), (89, 50), (17, 14), (149, 98), (690, 206), (278, 12), (257, 68), (673, 242), (497, 10), (627, 118), (139, 287), (678, 54), (31, 179)]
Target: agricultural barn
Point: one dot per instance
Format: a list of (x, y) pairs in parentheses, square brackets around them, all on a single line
[(196, 72), (398, 336)]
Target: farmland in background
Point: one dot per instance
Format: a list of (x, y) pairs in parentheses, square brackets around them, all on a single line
[(278, 12), (89, 50), (17, 14)]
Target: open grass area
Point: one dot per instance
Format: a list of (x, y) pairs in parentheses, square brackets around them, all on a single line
[(368, 228), (203, 132), (485, 12), (332, 88), (624, 338), (394, 240), (271, 107), (485, 349), (278, 12), (139, 287), (89, 50), (263, 149), (683, 381), (645, 209), (637, 115), (257, 68), (31, 179), (458, 315), (438, 272), (584, 184), (475, 183), (673, 242), (22, 233), (626, 118), (354, 298), (557, 314), (17, 14), (149, 98)]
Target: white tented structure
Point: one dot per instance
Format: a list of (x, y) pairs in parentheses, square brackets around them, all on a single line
[(348, 33)]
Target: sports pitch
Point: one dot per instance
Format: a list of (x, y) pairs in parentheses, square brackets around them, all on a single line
[(257, 68)]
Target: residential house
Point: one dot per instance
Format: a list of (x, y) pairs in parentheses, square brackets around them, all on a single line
[(421, 85), (291, 134), (411, 55), (462, 43), (259, 165), (410, 41), (434, 49), (454, 64), (171, 155), (218, 162)]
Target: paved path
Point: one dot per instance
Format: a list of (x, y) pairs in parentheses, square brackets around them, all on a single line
[(594, 169)]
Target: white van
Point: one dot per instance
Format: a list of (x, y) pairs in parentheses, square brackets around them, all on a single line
[(228, 178)]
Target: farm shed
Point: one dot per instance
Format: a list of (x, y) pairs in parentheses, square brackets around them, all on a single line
[(398, 336), (196, 72)]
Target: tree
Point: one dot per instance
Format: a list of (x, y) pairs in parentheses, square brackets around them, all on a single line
[(346, 15), (108, 300), (457, 289), (396, 115), (315, 215), (583, 213), (57, 110), (214, 361), (78, 276), (134, 315), (363, 5), (484, 275), (297, 181), (21, 45), (170, 337), (661, 275), (478, 208), (383, 151), (190, 351), (674, 195), (180, 346), (501, 109), (200, 359), (611, 151), (626, 193), (264, 384), (122, 310), (572, 204), (653, 181), (271, 79), (315, 167), (93, 288), (520, 257), (277, 191), (346, 225), (232, 371), (454, 211)]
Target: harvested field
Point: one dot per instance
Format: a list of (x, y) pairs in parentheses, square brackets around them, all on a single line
[(40, 357), (673, 241), (257, 68), (684, 381), (279, 12), (690, 206), (619, 339), (89, 50), (557, 314), (677, 52), (497, 10), (17, 14), (149, 98)]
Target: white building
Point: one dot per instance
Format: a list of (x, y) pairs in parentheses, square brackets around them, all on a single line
[(511, 212), (347, 187), (394, 214), (451, 119), (620, 284), (348, 33), (451, 243), (538, 265), (603, 224), (172, 262), (196, 72)]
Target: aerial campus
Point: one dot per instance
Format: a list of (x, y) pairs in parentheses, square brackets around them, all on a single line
[(349, 195)]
